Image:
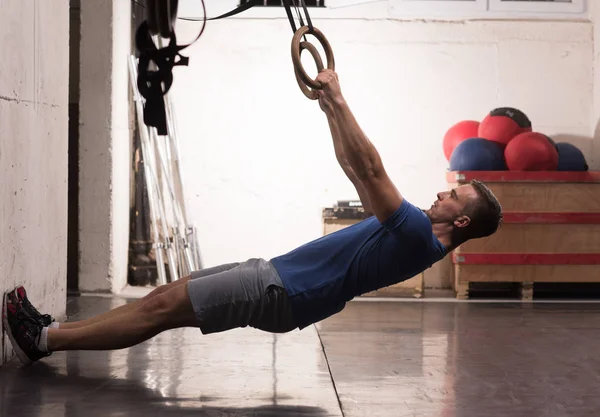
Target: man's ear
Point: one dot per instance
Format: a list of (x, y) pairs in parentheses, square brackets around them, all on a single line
[(462, 221)]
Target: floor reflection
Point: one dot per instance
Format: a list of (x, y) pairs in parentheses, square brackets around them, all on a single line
[(465, 360), (433, 359), (178, 373)]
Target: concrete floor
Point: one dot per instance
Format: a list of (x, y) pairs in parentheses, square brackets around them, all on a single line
[(414, 358)]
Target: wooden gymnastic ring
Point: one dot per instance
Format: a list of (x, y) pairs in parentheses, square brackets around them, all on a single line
[(161, 16), (311, 94), (315, 85)]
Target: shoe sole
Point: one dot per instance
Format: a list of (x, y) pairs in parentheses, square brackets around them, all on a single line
[(20, 354)]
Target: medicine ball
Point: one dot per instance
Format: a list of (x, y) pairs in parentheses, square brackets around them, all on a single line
[(461, 131), (531, 151), (570, 158), (477, 154), (503, 124)]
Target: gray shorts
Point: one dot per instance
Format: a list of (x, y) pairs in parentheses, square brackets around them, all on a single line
[(238, 295)]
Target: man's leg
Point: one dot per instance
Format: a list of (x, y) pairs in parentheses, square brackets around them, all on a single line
[(124, 309), (251, 295), (32, 341), (169, 310)]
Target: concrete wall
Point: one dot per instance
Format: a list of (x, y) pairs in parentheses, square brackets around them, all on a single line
[(34, 40), (104, 145), (258, 157)]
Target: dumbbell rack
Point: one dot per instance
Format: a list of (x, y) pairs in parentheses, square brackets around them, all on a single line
[(175, 240)]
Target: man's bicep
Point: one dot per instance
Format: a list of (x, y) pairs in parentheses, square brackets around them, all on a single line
[(384, 197)]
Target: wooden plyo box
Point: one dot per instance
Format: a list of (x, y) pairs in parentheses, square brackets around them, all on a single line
[(551, 231), (337, 218)]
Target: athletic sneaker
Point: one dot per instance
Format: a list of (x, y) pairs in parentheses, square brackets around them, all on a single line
[(23, 330), (44, 319)]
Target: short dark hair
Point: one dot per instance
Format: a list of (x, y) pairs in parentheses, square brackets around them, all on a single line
[(485, 213)]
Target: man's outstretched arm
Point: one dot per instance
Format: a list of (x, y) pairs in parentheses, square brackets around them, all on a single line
[(343, 161), (360, 153)]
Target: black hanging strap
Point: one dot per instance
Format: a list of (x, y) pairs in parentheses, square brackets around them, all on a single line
[(288, 10), (154, 84), (308, 21)]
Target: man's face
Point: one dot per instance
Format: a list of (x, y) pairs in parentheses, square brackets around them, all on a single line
[(449, 206)]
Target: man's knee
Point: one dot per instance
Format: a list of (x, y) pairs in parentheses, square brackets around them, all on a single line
[(154, 293), (164, 288), (171, 308), (155, 305)]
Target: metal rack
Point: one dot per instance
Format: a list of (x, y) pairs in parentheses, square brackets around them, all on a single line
[(175, 240)]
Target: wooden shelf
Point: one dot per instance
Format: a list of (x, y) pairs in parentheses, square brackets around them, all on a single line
[(551, 231)]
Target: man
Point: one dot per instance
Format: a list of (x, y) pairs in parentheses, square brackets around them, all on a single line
[(294, 290)]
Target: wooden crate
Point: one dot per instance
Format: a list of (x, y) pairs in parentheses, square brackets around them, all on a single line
[(337, 218), (551, 231)]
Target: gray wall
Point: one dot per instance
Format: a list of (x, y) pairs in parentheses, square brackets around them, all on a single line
[(34, 80)]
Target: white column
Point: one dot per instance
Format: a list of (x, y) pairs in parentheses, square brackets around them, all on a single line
[(104, 141)]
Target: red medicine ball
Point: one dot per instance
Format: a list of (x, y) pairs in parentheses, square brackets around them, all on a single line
[(503, 124), (461, 131), (531, 151)]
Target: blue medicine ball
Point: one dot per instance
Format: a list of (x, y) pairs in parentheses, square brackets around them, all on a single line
[(478, 154), (570, 158)]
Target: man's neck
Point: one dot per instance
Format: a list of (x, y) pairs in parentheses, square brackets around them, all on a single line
[(444, 234)]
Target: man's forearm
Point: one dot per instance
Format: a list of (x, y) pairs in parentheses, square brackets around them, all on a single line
[(358, 150), (341, 158), (338, 147)]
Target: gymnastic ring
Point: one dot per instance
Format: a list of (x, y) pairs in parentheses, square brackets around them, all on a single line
[(161, 16), (311, 94), (315, 85)]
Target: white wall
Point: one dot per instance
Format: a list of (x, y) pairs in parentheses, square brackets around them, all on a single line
[(34, 77), (258, 157), (104, 145)]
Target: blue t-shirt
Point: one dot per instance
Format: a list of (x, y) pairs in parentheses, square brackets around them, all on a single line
[(322, 275)]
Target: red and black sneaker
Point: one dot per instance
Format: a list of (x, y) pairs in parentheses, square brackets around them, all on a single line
[(23, 330), (44, 319)]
